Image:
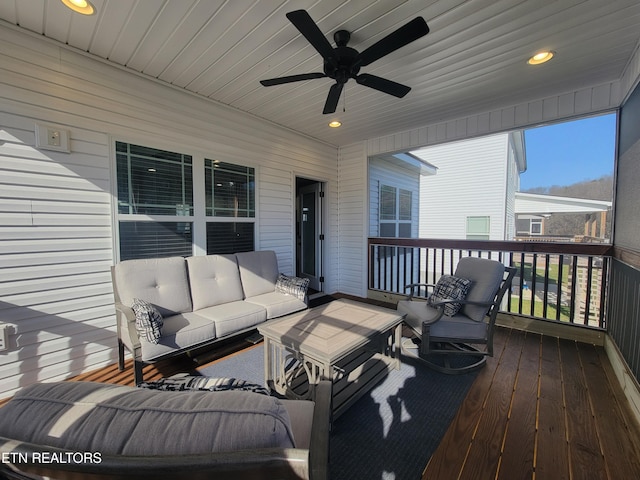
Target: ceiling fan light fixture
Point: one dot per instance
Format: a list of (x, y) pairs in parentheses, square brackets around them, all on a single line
[(335, 124), (83, 7), (541, 57)]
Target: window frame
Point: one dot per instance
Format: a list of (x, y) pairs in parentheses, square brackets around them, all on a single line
[(396, 221), (198, 219)]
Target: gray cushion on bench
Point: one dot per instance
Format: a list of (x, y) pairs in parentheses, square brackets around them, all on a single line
[(178, 332), (162, 282), (117, 420)]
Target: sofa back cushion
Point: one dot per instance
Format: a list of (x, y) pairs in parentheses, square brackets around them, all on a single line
[(258, 271), (118, 420), (162, 282), (214, 280)]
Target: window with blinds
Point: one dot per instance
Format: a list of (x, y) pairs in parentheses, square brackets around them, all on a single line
[(395, 211), (156, 204)]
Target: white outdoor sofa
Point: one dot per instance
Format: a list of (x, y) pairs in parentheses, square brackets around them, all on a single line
[(167, 306)]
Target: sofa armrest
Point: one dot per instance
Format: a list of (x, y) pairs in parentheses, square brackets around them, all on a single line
[(320, 430), (127, 332)]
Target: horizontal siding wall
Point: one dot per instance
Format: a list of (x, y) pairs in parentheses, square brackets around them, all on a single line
[(470, 182), (56, 238)]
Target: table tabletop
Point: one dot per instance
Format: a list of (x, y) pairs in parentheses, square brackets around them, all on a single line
[(333, 330)]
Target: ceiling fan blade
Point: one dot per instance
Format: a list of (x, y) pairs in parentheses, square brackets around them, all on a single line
[(333, 98), (404, 35), (383, 85), (291, 78), (307, 27)]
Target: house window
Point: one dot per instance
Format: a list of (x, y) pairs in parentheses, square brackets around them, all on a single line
[(156, 214), (155, 202), (395, 212), (478, 228), (230, 194), (536, 226)]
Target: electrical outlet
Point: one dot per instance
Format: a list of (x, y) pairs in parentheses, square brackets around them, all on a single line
[(4, 337), (50, 137)]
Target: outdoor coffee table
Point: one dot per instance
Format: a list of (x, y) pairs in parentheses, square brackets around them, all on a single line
[(351, 343)]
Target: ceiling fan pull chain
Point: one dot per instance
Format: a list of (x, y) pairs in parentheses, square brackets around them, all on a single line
[(344, 101)]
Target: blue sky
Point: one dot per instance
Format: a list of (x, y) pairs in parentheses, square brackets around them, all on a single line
[(569, 152)]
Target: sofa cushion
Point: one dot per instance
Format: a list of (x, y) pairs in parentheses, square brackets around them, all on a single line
[(233, 316), (295, 286), (148, 320), (118, 420), (277, 304), (214, 280), (258, 271), (178, 332), (160, 281)]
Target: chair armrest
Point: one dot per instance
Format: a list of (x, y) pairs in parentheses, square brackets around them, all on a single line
[(417, 286), (320, 430)]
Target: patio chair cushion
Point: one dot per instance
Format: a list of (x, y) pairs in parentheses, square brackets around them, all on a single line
[(148, 320), (486, 276), (214, 280), (118, 420), (449, 287)]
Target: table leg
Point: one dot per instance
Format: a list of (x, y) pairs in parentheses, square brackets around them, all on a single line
[(268, 369)]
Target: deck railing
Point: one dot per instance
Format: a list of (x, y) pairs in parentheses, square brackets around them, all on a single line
[(563, 282)]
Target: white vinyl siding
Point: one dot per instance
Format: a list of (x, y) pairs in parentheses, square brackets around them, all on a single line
[(383, 174), (470, 183), (57, 223)]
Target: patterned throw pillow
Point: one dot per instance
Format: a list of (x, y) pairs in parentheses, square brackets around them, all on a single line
[(295, 286), (450, 287), (182, 382), (148, 320)]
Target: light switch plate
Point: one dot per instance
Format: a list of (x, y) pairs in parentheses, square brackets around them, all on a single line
[(51, 137)]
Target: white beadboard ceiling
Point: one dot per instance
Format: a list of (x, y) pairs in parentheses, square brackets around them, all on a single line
[(472, 61)]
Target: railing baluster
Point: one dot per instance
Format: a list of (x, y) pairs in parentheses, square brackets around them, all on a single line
[(587, 299), (545, 293), (574, 282), (559, 286)]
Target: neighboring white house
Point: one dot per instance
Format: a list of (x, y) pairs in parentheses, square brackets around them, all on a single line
[(473, 194)]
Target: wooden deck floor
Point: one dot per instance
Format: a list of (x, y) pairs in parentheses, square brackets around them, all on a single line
[(541, 409)]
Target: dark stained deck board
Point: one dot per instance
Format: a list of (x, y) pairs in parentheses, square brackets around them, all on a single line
[(456, 443), (519, 440), (619, 456), (585, 455), (552, 447), (583, 426)]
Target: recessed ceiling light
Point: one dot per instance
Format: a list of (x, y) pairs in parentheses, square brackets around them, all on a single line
[(541, 57), (335, 124), (81, 6)]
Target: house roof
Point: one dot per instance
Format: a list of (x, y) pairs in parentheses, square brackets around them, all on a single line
[(472, 61), (536, 204)]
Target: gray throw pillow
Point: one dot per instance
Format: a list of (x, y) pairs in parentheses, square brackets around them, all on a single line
[(148, 320), (295, 286), (450, 287)]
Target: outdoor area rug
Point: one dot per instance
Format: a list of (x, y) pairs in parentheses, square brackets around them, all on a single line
[(392, 431)]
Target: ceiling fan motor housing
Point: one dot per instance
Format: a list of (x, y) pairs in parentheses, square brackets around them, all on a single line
[(343, 65)]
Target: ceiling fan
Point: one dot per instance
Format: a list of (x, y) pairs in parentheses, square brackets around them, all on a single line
[(342, 63)]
